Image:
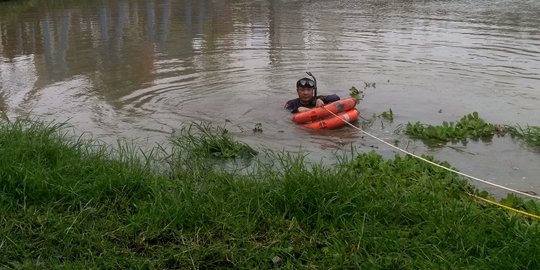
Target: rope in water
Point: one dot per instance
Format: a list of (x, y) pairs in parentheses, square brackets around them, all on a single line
[(433, 163)]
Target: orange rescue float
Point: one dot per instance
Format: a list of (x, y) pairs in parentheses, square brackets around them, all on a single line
[(321, 118)]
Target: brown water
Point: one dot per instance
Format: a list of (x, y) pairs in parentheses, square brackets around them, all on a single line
[(143, 69)]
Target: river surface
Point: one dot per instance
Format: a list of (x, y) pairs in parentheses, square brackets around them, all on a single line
[(141, 70)]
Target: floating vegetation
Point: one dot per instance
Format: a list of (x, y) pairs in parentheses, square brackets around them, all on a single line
[(473, 127), (356, 94), (258, 128), (388, 115), (469, 126)]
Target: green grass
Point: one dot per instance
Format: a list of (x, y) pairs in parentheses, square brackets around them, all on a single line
[(68, 203)]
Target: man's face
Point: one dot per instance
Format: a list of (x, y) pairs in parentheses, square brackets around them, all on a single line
[(305, 94)]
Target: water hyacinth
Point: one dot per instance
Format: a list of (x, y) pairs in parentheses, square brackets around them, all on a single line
[(469, 126)]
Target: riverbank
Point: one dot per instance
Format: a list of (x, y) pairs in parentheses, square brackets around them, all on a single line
[(75, 204)]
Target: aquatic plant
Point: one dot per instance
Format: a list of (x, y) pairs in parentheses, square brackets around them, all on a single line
[(388, 115), (474, 127), (469, 126), (356, 94), (258, 128)]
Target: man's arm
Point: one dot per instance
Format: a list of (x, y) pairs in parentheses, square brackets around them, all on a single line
[(329, 98), (292, 105)]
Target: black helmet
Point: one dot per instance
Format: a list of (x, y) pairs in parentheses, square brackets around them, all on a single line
[(305, 82)]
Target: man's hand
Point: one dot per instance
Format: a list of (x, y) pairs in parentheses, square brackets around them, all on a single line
[(319, 103)]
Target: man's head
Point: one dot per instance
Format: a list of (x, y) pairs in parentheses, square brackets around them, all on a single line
[(305, 87)]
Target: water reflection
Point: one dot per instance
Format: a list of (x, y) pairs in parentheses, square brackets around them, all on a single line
[(126, 46)]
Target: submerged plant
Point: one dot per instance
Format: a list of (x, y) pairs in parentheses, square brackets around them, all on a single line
[(531, 134), (369, 84)]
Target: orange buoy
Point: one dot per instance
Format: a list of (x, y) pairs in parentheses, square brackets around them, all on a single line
[(321, 112), (334, 121)]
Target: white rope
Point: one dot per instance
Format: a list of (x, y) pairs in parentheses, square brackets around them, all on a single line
[(433, 163)]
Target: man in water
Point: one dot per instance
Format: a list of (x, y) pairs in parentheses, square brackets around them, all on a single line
[(306, 99)]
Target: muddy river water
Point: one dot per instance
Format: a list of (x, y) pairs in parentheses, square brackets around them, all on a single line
[(142, 69)]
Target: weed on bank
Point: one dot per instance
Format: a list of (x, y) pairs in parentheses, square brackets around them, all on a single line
[(68, 203)]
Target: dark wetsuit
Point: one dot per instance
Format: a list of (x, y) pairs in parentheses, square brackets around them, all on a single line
[(294, 104)]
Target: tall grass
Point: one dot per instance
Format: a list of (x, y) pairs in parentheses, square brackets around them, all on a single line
[(71, 204), (206, 141)]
